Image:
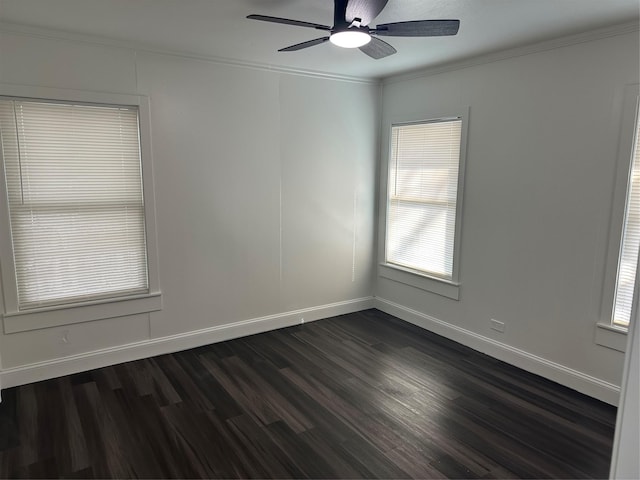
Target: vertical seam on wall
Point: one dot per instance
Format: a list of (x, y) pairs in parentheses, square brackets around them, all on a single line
[(280, 221), (280, 182), (135, 69), (355, 229)]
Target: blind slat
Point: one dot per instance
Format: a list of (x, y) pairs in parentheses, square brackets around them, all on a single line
[(74, 184)]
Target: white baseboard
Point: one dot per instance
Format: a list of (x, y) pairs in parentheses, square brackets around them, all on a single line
[(35, 372), (594, 387), (574, 379)]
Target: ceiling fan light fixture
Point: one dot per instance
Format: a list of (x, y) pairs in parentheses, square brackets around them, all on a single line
[(350, 38), (351, 28)]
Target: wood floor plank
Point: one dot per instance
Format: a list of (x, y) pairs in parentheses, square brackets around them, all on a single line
[(200, 440), (414, 460), (342, 464), (27, 420), (161, 437), (362, 395), (9, 432), (269, 453), (276, 401), (375, 460), (9, 462), (75, 440)]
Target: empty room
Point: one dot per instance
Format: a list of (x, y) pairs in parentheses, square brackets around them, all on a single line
[(319, 238)]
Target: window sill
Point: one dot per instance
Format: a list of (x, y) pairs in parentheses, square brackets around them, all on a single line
[(612, 337), (82, 312), (424, 282)]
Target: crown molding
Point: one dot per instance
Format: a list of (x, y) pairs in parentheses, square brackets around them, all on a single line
[(139, 47), (560, 42), (588, 36)]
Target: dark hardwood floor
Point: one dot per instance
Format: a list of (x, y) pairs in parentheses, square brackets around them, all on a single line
[(360, 395)]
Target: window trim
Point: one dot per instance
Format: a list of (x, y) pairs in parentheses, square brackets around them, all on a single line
[(610, 336), (449, 288), (15, 320), (607, 333)]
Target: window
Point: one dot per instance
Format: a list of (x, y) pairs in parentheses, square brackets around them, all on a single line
[(76, 213), (75, 201), (620, 276), (424, 198), (628, 260)]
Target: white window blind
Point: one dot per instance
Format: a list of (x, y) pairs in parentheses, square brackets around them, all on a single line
[(628, 262), (76, 208), (423, 190)]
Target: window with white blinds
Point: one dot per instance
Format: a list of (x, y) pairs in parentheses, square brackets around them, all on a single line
[(424, 167), (627, 265), (76, 209)]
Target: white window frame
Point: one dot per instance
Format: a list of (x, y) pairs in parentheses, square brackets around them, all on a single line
[(424, 281), (607, 333), (15, 320)]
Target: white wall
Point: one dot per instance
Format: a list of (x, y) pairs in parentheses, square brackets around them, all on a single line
[(541, 161), (264, 198)]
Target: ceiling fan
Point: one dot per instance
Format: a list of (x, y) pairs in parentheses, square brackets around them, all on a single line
[(351, 19)]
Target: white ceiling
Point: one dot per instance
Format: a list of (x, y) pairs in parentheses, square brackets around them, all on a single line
[(218, 28)]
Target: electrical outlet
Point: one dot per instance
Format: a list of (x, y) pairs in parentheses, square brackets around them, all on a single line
[(497, 325)]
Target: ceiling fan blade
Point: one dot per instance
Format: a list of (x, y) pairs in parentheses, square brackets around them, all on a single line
[(300, 46), (365, 10), (287, 21), (377, 49), (418, 28)]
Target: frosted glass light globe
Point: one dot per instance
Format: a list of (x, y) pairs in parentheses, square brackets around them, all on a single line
[(350, 38)]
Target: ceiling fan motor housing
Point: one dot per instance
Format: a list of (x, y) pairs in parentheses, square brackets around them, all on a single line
[(340, 22)]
